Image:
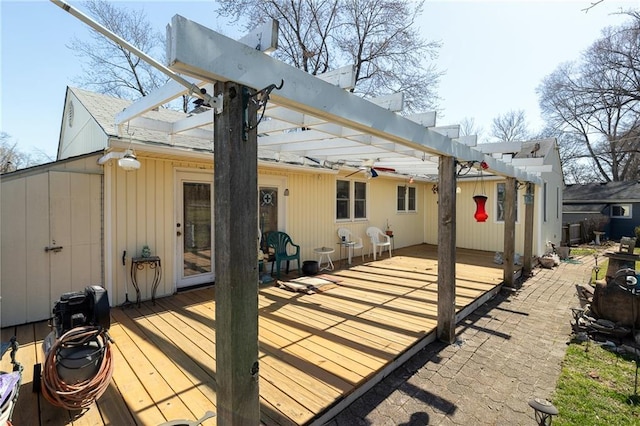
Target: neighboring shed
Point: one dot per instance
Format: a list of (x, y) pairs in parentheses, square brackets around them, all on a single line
[(610, 207), (51, 235)]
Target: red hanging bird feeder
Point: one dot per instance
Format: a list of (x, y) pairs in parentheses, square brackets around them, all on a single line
[(480, 214), (481, 199)]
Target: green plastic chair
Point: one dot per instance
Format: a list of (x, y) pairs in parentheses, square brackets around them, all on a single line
[(282, 246)]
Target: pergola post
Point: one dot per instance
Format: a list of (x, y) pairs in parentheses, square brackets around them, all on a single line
[(446, 249), (509, 231), (528, 231), (236, 258)]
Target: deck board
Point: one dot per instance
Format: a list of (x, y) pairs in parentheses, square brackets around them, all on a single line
[(314, 349)]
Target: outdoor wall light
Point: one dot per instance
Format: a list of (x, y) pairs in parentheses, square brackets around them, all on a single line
[(129, 161), (286, 192)]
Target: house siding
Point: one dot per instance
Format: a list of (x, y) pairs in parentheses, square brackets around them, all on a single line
[(80, 135), (617, 228), (60, 205), (142, 212), (489, 235)]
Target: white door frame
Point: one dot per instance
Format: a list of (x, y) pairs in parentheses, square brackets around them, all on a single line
[(182, 176)]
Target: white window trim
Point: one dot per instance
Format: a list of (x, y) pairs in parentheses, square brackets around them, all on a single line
[(630, 216), (352, 201), (406, 199)]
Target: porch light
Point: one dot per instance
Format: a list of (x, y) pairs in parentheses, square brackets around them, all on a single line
[(129, 161)]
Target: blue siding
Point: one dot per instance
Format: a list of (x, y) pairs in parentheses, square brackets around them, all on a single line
[(618, 227)]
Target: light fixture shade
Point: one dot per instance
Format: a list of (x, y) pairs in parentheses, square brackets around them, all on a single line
[(480, 214), (129, 161)]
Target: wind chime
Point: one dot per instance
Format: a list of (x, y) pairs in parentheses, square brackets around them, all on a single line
[(480, 198)]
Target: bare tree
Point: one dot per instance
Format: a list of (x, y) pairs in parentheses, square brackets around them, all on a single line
[(510, 127), (12, 159), (379, 37), (469, 127), (109, 68), (577, 165), (597, 101)]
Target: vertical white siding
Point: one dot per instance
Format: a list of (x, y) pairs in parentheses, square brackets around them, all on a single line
[(143, 204), (13, 221), (83, 135), (35, 260), (311, 212), (38, 208)]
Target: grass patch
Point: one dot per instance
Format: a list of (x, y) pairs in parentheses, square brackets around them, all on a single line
[(596, 387), (582, 251)]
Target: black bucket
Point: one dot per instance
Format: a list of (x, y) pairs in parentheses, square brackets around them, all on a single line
[(310, 267)]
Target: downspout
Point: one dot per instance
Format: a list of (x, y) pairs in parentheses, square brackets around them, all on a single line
[(107, 233)]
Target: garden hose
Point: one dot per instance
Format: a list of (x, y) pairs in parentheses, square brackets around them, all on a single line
[(80, 395)]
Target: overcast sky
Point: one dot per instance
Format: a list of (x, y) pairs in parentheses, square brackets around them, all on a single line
[(494, 54)]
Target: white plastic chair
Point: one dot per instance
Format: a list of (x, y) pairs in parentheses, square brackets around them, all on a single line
[(345, 235), (376, 241)]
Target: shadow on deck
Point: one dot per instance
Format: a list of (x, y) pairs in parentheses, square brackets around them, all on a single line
[(318, 352)]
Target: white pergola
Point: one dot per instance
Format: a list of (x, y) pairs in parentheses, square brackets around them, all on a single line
[(341, 129)]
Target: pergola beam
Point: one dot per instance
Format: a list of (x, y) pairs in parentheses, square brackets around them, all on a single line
[(204, 54)]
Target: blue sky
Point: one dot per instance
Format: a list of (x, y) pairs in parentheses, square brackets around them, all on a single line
[(495, 54)]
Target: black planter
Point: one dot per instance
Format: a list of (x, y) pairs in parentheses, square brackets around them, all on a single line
[(310, 267)]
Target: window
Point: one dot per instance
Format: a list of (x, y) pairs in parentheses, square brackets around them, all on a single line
[(621, 211), (501, 192), (406, 199), (351, 200), (342, 202)]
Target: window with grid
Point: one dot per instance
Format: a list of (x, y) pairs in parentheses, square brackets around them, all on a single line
[(351, 200), (406, 198)]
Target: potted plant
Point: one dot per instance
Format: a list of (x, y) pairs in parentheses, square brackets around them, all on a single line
[(388, 229)]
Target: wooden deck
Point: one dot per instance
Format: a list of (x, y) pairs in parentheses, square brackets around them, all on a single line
[(317, 351)]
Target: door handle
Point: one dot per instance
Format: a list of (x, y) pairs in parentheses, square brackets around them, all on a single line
[(54, 249), (178, 233)]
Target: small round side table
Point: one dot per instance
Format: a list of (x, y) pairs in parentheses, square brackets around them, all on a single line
[(325, 252)]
